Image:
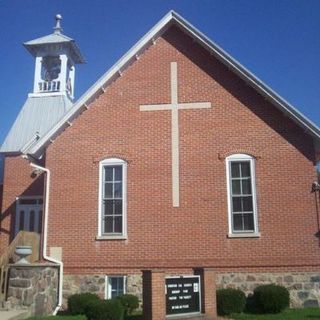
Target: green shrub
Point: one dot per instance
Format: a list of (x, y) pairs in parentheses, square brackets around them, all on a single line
[(230, 301), (105, 310), (78, 303), (129, 303), (270, 298), (78, 317)]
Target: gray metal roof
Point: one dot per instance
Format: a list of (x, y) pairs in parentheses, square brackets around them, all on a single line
[(37, 116), (55, 38), (51, 38)]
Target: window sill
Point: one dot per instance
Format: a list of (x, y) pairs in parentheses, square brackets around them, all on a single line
[(244, 235), (115, 237)]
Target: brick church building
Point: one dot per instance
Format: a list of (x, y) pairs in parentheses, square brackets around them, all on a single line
[(176, 159)]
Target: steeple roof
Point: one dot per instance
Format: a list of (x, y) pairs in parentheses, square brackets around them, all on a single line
[(56, 38)]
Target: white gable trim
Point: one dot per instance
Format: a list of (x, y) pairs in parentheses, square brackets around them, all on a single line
[(116, 70)]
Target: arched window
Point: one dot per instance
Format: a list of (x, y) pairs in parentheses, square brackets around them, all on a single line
[(242, 202), (112, 199)]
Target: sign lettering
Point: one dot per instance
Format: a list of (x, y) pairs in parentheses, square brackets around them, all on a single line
[(182, 295)]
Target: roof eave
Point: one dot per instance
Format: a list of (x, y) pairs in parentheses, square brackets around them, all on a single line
[(75, 51), (10, 153)]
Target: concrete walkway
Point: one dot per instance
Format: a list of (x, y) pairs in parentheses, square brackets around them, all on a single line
[(14, 315)]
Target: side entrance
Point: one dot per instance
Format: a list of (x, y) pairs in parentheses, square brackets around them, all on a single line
[(29, 214)]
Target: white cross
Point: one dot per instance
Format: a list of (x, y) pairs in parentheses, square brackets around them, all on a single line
[(174, 106)]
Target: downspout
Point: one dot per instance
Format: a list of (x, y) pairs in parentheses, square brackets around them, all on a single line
[(45, 235)]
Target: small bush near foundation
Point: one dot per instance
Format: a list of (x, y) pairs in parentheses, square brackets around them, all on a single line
[(78, 303), (230, 301), (79, 317), (270, 298), (129, 303), (105, 310)]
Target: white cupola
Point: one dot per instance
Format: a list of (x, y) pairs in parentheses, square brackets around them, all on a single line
[(56, 56), (53, 90)]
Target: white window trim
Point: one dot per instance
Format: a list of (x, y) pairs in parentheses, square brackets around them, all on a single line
[(107, 291), (102, 164), (242, 234)]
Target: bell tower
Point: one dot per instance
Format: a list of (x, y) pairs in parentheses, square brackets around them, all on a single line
[(55, 58)]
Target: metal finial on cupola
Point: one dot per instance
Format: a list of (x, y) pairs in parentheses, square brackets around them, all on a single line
[(57, 28)]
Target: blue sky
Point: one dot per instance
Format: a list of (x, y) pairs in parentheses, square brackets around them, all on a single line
[(277, 40)]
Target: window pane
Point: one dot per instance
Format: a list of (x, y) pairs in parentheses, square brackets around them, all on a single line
[(237, 222), (118, 206), (21, 220), (245, 169), (108, 190), (118, 173), (114, 283), (28, 201), (247, 203), (116, 286), (108, 207), (108, 224), (32, 221), (235, 169), (108, 173), (248, 222), (246, 186), (118, 224), (236, 204), (120, 284), (236, 187), (118, 190)]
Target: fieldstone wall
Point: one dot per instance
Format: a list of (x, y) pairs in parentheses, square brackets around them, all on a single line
[(304, 287), (33, 287), (96, 284)]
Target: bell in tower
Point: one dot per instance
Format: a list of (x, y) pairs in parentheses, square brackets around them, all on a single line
[(53, 89)]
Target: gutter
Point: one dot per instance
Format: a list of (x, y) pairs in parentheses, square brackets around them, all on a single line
[(45, 235)]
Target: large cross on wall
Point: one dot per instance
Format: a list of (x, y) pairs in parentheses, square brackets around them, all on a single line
[(174, 107)]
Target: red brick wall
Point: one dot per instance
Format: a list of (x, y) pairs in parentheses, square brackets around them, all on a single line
[(154, 303), (17, 182), (1, 191), (195, 234)]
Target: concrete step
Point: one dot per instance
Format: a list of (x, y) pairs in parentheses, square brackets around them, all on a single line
[(14, 314)]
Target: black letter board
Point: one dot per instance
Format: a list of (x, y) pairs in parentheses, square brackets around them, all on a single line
[(183, 295)]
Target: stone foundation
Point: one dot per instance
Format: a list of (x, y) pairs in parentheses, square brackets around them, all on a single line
[(304, 287), (33, 287), (96, 284)]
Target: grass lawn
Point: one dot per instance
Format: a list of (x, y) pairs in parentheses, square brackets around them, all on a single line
[(290, 314)]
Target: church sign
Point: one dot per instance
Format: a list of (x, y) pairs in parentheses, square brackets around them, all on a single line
[(183, 295)]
